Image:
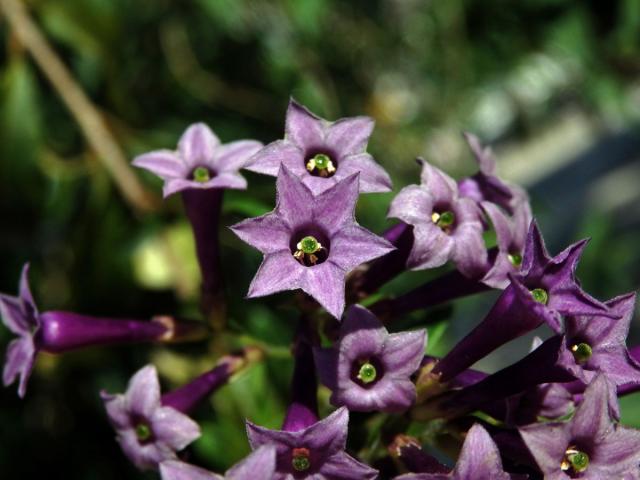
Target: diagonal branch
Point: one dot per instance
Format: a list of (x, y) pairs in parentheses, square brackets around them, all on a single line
[(85, 113)]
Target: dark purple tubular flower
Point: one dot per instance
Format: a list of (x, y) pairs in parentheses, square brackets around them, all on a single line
[(200, 162), (368, 369), (591, 445), (485, 186), (201, 169), (314, 452), (260, 465), (598, 343), (148, 431), (310, 241), (58, 332), (445, 225), (322, 153), (546, 364), (479, 460), (511, 234), (543, 291)]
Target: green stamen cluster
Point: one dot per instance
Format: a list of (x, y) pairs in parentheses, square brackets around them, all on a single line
[(540, 295), (582, 352), (322, 164), (515, 259), (309, 245), (443, 220), (143, 432), (300, 459), (575, 460), (201, 175), (367, 373)]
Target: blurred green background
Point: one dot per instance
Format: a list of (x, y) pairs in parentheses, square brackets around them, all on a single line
[(553, 85)]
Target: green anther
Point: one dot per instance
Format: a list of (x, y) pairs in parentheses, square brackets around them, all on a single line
[(321, 161), (201, 175), (143, 432), (540, 295), (579, 460), (300, 459), (309, 245), (515, 259), (582, 352), (446, 219), (367, 373)]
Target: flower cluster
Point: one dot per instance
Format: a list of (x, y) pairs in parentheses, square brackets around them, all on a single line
[(551, 414)]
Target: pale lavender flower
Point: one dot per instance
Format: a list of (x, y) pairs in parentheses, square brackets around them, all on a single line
[(58, 332), (368, 369), (445, 225), (479, 460), (590, 445), (200, 162), (322, 153), (260, 465), (316, 452), (310, 241), (148, 432)]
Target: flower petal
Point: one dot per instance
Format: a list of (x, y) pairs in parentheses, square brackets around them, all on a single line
[(117, 410), (163, 163), (279, 271), (440, 185), (20, 357), (335, 207), (233, 156), (302, 127), (328, 435), (373, 178), (547, 442), (143, 392), (268, 160), (342, 466), (173, 428), (260, 465), (267, 233), (403, 352), (294, 200), (479, 457), (325, 283), (413, 205), (386, 395), (176, 470), (353, 245), (349, 136), (431, 247), (198, 145), (13, 315)]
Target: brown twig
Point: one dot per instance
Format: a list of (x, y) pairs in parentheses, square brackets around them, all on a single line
[(85, 113)]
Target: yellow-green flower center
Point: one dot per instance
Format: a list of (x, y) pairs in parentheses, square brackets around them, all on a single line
[(540, 295), (367, 373), (307, 250), (515, 259), (201, 174), (444, 220), (300, 459), (321, 164), (574, 460), (143, 432), (581, 352)]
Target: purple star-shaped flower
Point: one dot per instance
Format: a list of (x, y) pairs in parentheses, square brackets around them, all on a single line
[(200, 162), (148, 432), (20, 315), (315, 452), (479, 460), (445, 225), (511, 234), (260, 465), (591, 445), (485, 186), (544, 290), (310, 241), (322, 153), (368, 369), (598, 343)]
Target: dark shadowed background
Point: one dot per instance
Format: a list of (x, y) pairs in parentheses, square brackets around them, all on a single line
[(553, 85)]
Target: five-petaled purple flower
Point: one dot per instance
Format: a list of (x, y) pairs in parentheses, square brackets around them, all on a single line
[(260, 465), (148, 432), (479, 460), (322, 153), (368, 369), (310, 241), (200, 162), (591, 445), (315, 452), (445, 225)]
